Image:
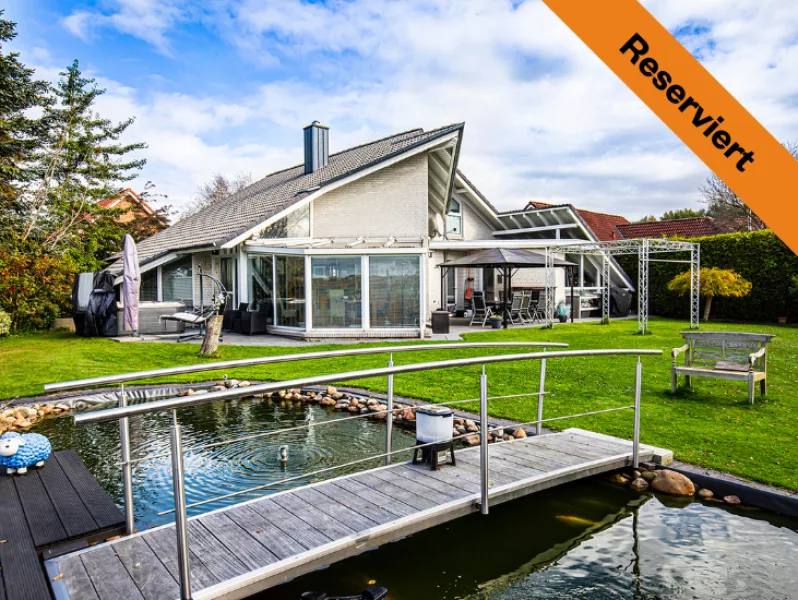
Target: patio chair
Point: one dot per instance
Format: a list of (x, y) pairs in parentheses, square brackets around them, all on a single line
[(481, 310), (526, 300), (253, 322), (539, 311), (232, 314), (514, 310)]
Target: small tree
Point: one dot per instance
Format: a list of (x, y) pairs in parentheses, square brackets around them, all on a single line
[(714, 282)]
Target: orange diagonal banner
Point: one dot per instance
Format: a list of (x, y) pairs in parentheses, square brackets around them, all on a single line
[(693, 104)]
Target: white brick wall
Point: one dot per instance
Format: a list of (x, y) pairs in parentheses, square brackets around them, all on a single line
[(390, 202), (474, 227)]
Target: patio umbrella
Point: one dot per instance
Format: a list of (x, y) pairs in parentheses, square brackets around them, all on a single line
[(131, 279), (506, 260)]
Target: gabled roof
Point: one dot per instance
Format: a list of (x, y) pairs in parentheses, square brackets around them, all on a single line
[(603, 225), (687, 228), (110, 203), (224, 221)]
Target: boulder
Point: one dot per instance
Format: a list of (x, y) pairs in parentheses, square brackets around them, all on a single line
[(337, 395), (230, 383), (245, 384), (519, 433), (705, 493), (331, 391), (327, 401), (619, 478), (472, 428), (673, 484), (354, 402), (469, 423), (218, 388), (731, 500), (471, 440), (648, 475), (353, 409), (639, 485)]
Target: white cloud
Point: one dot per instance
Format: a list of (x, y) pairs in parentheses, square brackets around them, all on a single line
[(544, 117)]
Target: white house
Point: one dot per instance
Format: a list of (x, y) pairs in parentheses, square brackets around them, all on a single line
[(347, 244)]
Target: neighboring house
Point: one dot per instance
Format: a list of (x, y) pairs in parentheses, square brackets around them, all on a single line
[(347, 244), (682, 228), (129, 201)]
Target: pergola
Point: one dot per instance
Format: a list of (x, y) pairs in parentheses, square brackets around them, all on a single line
[(644, 248), (507, 261)]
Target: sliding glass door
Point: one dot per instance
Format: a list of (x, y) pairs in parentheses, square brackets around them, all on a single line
[(289, 275), (336, 284), (394, 288)]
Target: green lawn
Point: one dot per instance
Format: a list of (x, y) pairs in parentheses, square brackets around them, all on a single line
[(710, 425)]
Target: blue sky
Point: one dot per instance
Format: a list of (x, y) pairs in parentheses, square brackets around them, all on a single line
[(226, 86)]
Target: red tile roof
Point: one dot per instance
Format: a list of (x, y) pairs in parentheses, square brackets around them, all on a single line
[(604, 225), (111, 202), (687, 228)]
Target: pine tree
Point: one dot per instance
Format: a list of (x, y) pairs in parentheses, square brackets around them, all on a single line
[(83, 162), (20, 134)]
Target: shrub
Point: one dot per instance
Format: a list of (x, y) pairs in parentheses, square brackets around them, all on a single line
[(714, 282), (5, 323), (35, 287)]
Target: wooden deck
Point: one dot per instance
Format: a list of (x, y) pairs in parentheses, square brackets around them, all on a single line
[(45, 511), (239, 550)]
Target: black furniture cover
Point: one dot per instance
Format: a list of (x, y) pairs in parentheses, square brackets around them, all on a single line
[(620, 302)]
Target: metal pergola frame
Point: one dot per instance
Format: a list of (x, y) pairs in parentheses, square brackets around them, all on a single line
[(643, 248)]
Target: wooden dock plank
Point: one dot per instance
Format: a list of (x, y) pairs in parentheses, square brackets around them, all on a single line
[(335, 509), (43, 521), (147, 571), (163, 542), (78, 584), (245, 547), (440, 495), (257, 544), (104, 512), (394, 491), (326, 524), (215, 555), (292, 526), (109, 576), (367, 508), (264, 533), (363, 491), (22, 572), (74, 515)]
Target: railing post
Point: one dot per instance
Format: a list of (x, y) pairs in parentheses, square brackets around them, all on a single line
[(541, 391), (483, 440), (638, 389), (181, 525), (127, 468), (389, 417)]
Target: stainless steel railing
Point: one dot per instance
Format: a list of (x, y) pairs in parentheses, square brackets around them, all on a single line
[(176, 449), (123, 378)]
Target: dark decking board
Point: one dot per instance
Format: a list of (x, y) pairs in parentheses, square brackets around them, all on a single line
[(239, 550), (42, 509)]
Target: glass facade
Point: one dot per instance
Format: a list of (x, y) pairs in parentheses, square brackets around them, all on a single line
[(394, 288), (335, 285), (261, 289), (229, 276), (295, 225), (290, 279), (178, 285), (148, 291)]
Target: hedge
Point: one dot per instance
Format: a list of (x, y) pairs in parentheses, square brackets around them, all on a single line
[(759, 256)]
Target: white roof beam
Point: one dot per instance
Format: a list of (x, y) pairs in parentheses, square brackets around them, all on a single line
[(535, 229)]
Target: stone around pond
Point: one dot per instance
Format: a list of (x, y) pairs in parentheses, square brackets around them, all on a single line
[(673, 484), (705, 493), (639, 485)]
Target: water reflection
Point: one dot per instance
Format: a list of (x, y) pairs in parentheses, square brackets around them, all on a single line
[(222, 469), (585, 540)]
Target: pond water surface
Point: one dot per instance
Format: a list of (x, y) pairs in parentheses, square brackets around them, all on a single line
[(582, 541)]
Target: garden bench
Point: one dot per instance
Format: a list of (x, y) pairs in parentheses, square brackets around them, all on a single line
[(724, 355)]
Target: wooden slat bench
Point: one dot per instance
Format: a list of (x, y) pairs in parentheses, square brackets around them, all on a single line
[(726, 355)]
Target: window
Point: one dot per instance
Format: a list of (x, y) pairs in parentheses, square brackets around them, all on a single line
[(451, 290), (178, 285), (148, 291), (261, 292), (454, 217), (394, 286), (336, 285), (294, 225), (290, 279)]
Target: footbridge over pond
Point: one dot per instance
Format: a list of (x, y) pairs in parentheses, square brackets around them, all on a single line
[(240, 549)]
